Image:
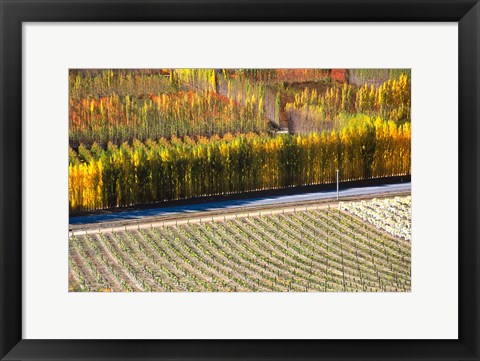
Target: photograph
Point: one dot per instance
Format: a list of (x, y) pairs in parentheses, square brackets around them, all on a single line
[(239, 180), (167, 198)]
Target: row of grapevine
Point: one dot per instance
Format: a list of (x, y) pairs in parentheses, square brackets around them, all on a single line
[(156, 171), (307, 251)]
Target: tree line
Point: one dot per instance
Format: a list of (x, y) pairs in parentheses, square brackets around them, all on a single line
[(118, 119), (313, 110), (179, 168)]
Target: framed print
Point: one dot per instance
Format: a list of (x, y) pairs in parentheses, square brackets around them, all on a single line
[(206, 180)]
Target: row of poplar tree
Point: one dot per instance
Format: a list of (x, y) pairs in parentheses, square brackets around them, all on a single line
[(118, 119), (391, 100), (179, 168)]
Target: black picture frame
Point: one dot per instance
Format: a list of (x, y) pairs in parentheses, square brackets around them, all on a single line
[(14, 12)]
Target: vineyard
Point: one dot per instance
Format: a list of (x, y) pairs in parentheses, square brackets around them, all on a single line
[(319, 250), (140, 139)]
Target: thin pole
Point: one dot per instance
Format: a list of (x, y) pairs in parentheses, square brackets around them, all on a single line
[(337, 185)]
